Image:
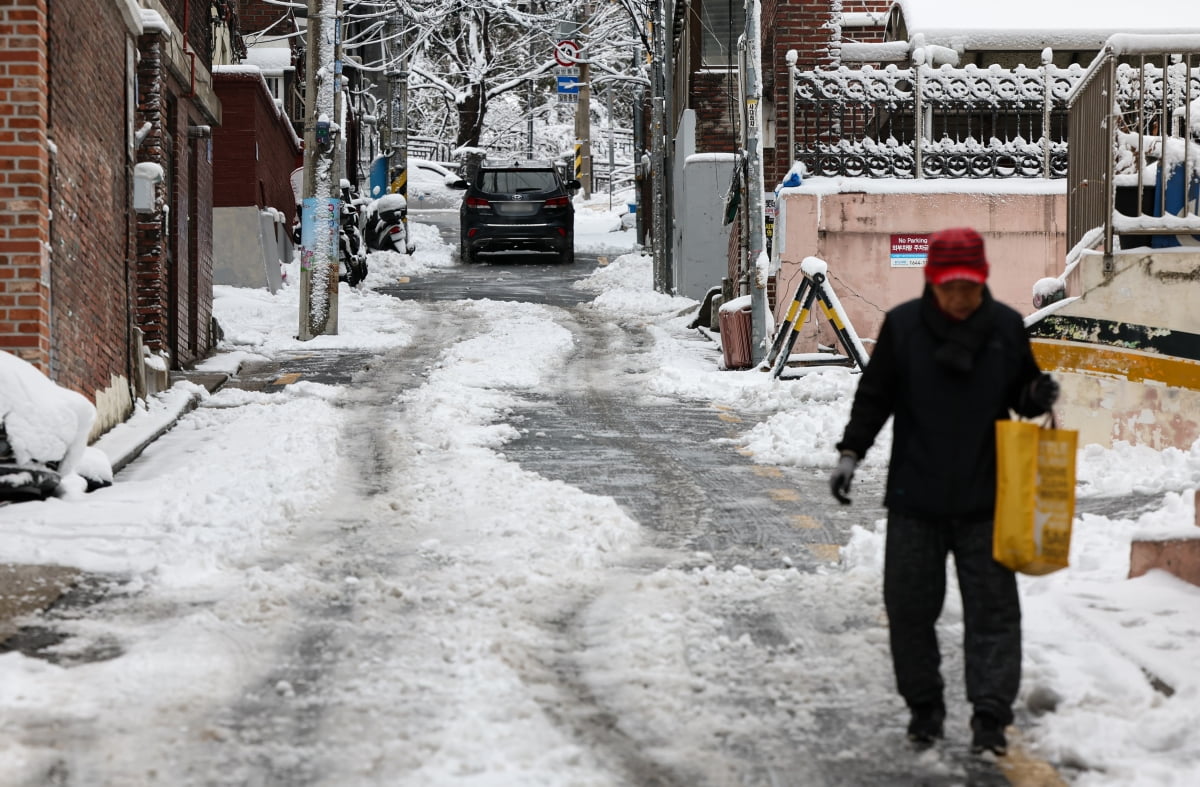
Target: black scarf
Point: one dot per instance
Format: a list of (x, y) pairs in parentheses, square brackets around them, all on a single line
[(959, 342)]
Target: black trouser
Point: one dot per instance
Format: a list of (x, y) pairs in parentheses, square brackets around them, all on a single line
[(914, 588)]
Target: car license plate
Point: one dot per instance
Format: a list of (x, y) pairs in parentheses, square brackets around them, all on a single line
[(516, 209)]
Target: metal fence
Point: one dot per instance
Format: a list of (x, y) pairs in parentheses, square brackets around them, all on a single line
[(1135, 142), (429, 148), (926, 122)]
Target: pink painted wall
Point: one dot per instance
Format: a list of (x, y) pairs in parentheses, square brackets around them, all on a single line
[(851, 230)]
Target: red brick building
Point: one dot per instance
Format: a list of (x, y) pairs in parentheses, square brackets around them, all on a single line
[(255, 149), (85, 280), (706, 62)]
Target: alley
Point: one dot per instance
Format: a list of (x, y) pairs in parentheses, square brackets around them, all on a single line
[(503, 557)]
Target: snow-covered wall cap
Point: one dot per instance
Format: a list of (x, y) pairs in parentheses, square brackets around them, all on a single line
[(243, 69), (152, 22), (843, 185), (814, 266), (270, 57), (888, 51), (864, 19), (708, 158), (1036, 24)]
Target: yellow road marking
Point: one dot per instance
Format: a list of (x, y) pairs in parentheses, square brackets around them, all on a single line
[(804, 522), (784, 495), (403, 280), (745, 452), (1023, 769), (766, 471), (729, 419), (286, 379), (830, 553)]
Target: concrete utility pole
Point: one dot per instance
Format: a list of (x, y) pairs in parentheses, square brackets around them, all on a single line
[(397, 119), (756, 242), (660, 156), (321, 209), (583, 111)]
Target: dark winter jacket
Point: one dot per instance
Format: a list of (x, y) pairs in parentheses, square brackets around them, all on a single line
[(946, 383)]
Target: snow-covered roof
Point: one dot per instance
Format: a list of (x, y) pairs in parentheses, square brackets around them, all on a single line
[(1036, 24)]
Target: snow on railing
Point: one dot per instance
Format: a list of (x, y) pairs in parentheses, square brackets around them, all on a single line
[(1135, 142), (927, 122)]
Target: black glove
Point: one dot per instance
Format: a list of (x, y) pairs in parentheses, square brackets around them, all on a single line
[(1043, 392), (843, 474)]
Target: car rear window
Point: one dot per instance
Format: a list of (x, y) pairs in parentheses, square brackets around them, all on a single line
[(510, 181)]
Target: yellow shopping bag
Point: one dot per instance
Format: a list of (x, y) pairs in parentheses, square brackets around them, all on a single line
[(1035, 496)]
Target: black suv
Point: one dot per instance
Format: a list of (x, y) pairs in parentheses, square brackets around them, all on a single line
[(517, 206)]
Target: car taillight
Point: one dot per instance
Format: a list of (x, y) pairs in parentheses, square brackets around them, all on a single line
[(557, 202), (477, 202), (394, 230)]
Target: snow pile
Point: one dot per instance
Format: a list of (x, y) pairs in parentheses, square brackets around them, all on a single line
[(46, 423)]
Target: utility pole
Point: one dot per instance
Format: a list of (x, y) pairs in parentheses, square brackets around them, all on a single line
[(583, 110), (398, 108), (756, 261), (391, 125), (529, 96), (641, 175), (660, 158), (321, 208)]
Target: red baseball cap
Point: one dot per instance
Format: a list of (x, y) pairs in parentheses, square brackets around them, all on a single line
[(956, 255)]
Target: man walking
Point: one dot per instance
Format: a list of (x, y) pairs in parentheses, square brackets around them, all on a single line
[(946, 367)]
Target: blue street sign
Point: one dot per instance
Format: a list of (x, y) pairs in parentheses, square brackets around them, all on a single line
[(568, 84)]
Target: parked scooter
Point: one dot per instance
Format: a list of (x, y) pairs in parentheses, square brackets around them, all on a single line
[(387, 225), (352, 250)]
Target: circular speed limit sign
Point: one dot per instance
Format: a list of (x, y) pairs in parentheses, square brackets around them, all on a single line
[(566, 53)]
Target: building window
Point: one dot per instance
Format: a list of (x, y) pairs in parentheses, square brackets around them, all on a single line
[(722, 23), (275, 85)]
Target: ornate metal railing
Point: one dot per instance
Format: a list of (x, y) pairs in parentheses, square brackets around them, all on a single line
[(925, 122)]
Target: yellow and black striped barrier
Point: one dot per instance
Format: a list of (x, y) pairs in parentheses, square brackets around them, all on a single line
[(811, 288)]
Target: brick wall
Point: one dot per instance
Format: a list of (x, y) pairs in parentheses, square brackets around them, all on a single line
[(193, 18), (24, 178), (254, 150), (714, 99), (90, 193), (258, 15), (193, 339), (809, 27), (150, 310), (200, 278), (174, 239)]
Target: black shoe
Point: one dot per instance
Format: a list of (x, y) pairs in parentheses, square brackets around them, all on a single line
[(926, 724), (987, 734)]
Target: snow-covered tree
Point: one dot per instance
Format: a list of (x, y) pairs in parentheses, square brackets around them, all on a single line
[(469, 58)]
